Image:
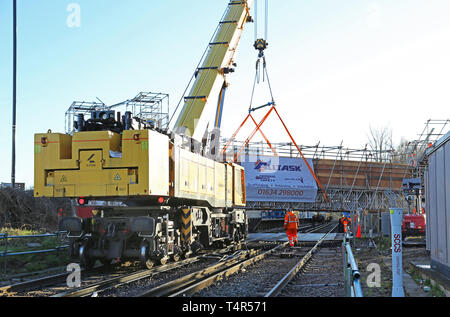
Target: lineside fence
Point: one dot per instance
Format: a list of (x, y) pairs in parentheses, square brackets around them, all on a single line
[(5, 240)]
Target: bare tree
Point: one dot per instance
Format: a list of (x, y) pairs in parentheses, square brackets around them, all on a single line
[(380, 143), (410, 152), (19, 209), (402, 151)]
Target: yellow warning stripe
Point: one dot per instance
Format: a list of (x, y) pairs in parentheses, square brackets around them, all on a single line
[(187, 220), (187, 225), (186, 232)]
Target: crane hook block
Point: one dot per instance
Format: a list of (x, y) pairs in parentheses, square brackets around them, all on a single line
[(261, 45)]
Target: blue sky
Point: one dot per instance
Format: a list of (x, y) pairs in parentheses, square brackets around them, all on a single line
[(336, 67)]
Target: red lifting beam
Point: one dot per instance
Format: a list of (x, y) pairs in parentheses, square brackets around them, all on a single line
[(257, 129), (236, 155)]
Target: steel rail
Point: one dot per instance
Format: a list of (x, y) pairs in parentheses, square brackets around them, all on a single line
[(290, 275), (128, 278), (308, 228), (192, 283), (40, 282), (322, 226), (205, 282), (135, 276)]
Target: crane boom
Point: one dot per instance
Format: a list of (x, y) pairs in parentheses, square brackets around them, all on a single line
[(210, 77)]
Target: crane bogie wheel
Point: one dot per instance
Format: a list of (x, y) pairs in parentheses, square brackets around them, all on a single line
[(163, 260), (176, 257), (85, 261), (149, 264), (144, 260)]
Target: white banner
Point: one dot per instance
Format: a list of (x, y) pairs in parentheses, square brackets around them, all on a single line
[(278, 179)]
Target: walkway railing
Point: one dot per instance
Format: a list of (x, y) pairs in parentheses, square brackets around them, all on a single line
[(352, 284), (4, 237)]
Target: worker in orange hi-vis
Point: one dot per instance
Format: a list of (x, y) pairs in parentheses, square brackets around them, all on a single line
[(291, 227), (344, 221)]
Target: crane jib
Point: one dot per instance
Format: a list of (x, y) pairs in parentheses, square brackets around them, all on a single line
[(210, 76)]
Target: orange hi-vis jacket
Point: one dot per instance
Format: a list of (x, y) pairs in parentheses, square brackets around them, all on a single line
[(290, 221), (346, 222)]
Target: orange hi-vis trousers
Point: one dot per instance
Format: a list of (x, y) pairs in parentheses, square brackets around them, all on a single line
[(291, 225), (292, 235)]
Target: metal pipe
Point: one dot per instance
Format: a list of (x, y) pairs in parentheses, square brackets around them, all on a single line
[(5, 236), (349, 282), (80, 122), (352, 284), (5, 254), (352, 262), (14, 100), (36, 236), (34, 252), (357, 288)]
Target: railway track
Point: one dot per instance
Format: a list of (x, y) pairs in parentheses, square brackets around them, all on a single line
[(282, 286), (302, 228), (194, 283), (95, 289), (184, 278), (313, 228), (190, 284), (47, 283), (99, 279), (281, 273)]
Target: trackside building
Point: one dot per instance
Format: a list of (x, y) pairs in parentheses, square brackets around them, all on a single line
[(437, 204)]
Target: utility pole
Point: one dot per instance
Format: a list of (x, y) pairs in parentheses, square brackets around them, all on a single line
[(13, 158)]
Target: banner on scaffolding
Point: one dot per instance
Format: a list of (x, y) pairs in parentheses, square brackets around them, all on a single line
[(278, 179)]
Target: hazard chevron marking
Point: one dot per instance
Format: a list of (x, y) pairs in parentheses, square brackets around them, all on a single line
[(186, 231), (187, 220), (186, 225)]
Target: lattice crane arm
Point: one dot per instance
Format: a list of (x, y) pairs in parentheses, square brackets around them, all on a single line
[(210, 76)]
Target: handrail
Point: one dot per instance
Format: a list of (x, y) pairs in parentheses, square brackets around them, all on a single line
[(352, 283), (5, 253)]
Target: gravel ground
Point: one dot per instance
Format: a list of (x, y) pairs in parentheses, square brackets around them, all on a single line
[(87, 278), (322, 276), (382, 257), (133, 289), (261, 277)]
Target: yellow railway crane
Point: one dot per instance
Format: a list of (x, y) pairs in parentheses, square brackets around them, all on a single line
[(156, 196)]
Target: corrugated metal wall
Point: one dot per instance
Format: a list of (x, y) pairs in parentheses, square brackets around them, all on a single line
[(437, 196)]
